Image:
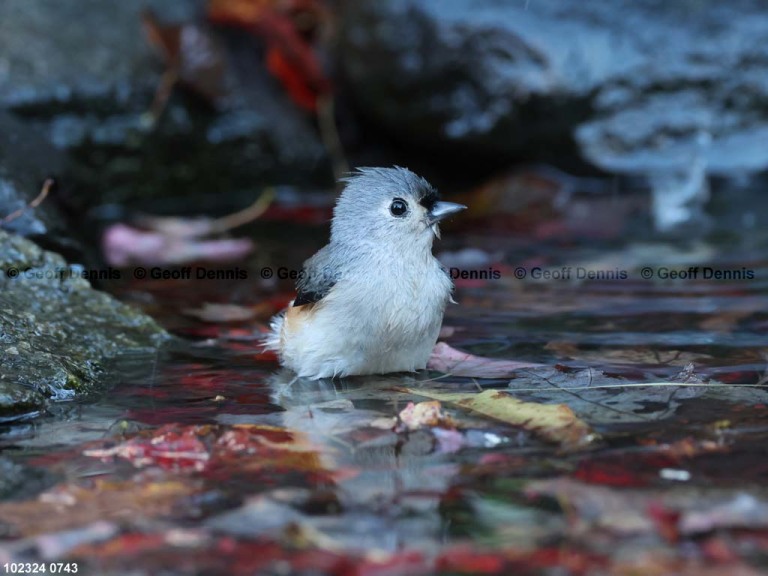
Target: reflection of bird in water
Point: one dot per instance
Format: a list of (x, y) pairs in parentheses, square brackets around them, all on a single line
[(389, 485)]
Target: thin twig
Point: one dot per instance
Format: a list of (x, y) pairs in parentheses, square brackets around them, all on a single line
[(47, 185), (246, 215), (163, 93), (636, 385)]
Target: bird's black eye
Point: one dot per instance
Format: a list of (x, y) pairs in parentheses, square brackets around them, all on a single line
[(398, 207)]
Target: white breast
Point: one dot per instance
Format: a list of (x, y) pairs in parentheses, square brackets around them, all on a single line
[(385, 321)]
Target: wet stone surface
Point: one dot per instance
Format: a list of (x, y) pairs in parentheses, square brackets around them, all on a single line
[(56, 331)]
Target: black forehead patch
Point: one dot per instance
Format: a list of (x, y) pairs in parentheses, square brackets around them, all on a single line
[(428, 197)]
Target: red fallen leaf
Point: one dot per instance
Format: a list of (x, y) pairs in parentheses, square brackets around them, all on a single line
[(291, 56), (199, 448), (444, 358), (169, 449), (291, 77), (293, 61)]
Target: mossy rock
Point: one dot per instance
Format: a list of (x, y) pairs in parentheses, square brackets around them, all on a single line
[(56, 331)]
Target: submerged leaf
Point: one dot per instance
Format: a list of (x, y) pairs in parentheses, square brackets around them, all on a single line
[(552, 422)]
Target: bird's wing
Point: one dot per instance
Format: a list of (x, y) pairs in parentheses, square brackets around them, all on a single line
[(318, 276)]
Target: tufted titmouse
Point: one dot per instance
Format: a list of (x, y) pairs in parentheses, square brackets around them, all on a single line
[(372, 300)]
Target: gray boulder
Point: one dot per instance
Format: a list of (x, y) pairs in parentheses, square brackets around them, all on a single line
[(56, 332), (84, 73), (638, 87)]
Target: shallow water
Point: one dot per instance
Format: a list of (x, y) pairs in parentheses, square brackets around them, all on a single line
[(354, 488)]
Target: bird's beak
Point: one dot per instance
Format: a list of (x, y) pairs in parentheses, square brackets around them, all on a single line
[(439, 211), (442, 210)]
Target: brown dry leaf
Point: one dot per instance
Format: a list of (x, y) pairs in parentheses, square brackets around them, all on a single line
[(70, 506), (553, 422)]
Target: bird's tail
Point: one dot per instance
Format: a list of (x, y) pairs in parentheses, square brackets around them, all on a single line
[(271, 340)]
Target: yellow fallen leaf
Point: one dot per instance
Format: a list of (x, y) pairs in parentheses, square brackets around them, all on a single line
[(551, 422)]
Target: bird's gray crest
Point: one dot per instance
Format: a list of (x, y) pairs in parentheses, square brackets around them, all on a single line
[(398, 178)]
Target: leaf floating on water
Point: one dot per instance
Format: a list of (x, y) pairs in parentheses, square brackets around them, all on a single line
[(424, 414), (447, 359), (552, 422)]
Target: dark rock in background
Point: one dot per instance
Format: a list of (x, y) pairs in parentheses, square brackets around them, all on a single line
[(634, 87), (84, 72), (56, 332), (27, 158)]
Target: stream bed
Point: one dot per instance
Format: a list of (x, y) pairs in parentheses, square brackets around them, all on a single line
[(206, 458)]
